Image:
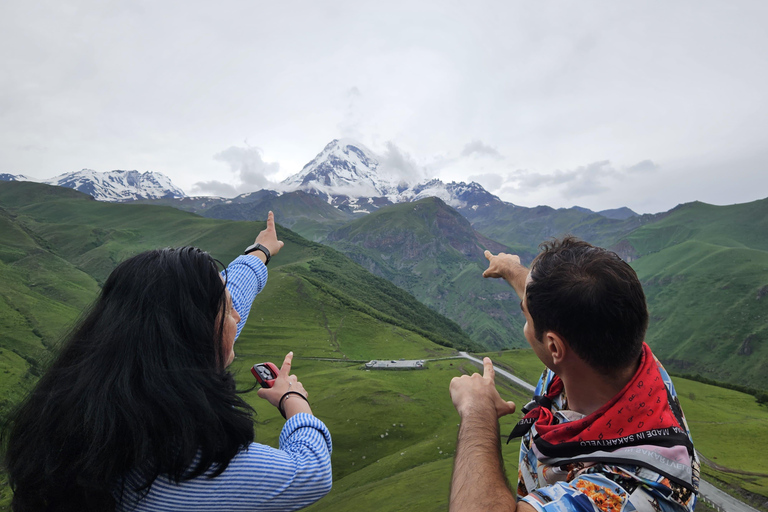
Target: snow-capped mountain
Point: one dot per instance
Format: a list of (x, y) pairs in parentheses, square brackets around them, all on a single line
[(344, 167), (115, 186), (458, 195), (348, 176), (4, 176)]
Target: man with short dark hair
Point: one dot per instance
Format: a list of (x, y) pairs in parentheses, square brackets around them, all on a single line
[(605, 430)]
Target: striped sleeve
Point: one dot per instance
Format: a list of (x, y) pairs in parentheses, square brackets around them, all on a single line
[(259, 478), (246, 276)]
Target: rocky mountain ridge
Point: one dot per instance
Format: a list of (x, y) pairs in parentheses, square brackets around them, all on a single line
[(112, 186)]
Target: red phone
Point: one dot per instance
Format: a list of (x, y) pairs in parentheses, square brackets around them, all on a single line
[(265, 374)]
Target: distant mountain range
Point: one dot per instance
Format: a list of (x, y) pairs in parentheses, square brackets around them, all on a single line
[(113, 186), (345, 174)]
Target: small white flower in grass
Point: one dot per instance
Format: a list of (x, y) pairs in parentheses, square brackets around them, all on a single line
[(402, 453), (363, 457), (382, 436)]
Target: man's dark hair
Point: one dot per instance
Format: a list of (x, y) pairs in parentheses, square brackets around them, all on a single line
[(590, 297), (139, 389)]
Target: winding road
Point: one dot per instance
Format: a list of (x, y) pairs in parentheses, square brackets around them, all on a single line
[(707, 491)]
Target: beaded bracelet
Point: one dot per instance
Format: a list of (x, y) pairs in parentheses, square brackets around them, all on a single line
[(280, 403)]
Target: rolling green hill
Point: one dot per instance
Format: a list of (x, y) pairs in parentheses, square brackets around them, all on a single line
[(705, 272), (430, 250), (524, 229)]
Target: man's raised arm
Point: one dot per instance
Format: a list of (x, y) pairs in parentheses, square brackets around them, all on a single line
[(508, 267)]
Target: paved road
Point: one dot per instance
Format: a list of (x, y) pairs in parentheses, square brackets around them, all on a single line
[(500, 371), (726, 502)]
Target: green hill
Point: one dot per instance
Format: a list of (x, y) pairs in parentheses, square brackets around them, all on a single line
[(430, 250), (525, 228), (705, 272)]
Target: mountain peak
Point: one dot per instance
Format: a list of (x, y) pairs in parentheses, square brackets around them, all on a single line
[(343, 167), (348, 175)]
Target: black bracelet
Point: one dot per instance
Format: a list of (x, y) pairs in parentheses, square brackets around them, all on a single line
[(280, 403), (258, 247)]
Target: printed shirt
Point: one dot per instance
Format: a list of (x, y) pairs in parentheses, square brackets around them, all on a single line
[(596, 487), (259, 478)]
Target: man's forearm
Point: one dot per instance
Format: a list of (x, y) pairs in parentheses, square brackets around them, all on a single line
[(478, 482), (516, 277)]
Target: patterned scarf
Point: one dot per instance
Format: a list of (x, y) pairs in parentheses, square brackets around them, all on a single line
[(642, 425)]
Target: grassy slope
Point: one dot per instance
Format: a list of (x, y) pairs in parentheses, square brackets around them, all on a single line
[(430, 250), (525, 228), (95, 236), (703, 268), (40, 296)]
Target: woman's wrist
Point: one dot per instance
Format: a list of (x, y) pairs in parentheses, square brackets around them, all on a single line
[(293, 403)]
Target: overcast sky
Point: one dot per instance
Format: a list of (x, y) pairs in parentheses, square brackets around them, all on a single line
[(598, 104)]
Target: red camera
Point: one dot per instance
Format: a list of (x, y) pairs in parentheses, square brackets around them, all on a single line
[(265, 374)]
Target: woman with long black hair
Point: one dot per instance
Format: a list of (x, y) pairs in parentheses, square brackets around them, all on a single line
[(138, 410)]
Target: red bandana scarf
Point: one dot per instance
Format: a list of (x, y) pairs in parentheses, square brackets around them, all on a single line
[(641, 425)]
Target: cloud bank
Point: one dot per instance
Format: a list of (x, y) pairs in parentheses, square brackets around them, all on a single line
[(250, 170)]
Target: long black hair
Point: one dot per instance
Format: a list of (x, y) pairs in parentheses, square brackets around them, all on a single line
[(139, 389)]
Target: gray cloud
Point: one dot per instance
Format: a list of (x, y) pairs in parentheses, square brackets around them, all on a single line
[(644, 166), (479, 148), (583, 181), (250, 170), (215, 188), (489, 181), (249, 166), (400, 166)]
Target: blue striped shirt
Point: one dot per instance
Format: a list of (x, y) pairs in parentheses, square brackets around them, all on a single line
[(259, 478)]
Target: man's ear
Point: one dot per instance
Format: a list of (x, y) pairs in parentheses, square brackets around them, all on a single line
[(556, 346)]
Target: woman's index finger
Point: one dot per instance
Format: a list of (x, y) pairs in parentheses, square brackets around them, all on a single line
[(286, 368)]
